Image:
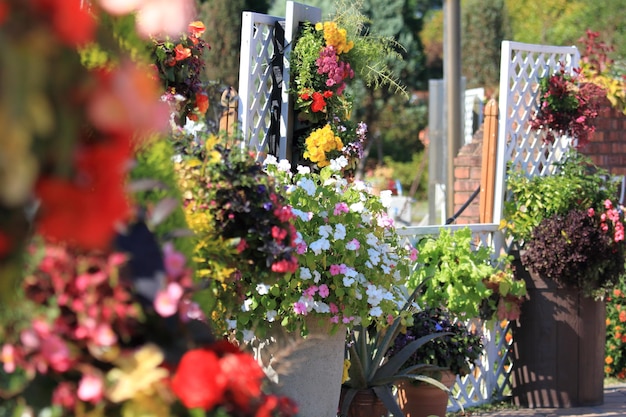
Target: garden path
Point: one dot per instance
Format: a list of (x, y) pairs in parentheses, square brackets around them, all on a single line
[(614, 405)]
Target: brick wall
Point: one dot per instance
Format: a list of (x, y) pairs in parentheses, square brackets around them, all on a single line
[(607, 149)]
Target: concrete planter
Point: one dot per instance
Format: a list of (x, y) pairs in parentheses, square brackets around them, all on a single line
[(308, 370)]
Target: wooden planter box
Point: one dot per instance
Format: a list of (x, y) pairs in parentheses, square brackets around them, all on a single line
[(558, 349)]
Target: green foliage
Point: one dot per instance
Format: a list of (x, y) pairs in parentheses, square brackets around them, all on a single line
[(154, 163), (407, 172), (485, 26), (576, 183), (459, 270)]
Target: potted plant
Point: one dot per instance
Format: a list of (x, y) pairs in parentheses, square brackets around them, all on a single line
[(372, 373), (465, 278), (571, 240), (452, 354)]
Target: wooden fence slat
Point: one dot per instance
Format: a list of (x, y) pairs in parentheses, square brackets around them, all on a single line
[(488, 171)]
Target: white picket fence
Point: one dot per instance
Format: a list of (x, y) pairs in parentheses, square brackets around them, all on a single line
[(522, 65)]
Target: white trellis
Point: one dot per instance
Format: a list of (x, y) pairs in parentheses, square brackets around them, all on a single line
[(522, 65)]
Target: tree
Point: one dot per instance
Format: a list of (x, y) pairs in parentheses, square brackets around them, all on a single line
[(484, 27), (222, 19)]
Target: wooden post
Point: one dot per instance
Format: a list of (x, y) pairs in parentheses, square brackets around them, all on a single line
[(487, 177)]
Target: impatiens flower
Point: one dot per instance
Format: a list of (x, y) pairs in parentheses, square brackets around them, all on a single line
[(341, 207), (324, 291), (263, 289), (299, 308), (353, 245), (7, 356), (199, 381), (90, 388), (174, 261), (166, 301)]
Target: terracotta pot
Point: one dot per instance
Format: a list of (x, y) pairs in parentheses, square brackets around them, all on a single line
[(365, 404), (558, 349), (424, 400)]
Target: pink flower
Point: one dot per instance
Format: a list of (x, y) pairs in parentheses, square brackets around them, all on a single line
[(174, 261), (64, 395), (413, 254), (341, 208), (333, 308), (591, 212), (310, 292), (103, 335), (166, 301), (8, 358), (90, 388), (164, 17), (56, 353), (301, 247), (334, 319), (242, 245), (324, 291), (299, 308)]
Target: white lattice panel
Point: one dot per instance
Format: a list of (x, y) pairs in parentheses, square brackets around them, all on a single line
[(255, 82), (522, 66)]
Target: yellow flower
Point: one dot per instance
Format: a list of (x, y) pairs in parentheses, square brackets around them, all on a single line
[(346, 368), (137, 373)]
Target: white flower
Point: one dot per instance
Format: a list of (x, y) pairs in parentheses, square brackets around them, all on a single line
[(372, 240), (374, 295), (350, 272), (376, 311), (316, 276), (320, 245), (271, 315), (366, 217), (307, 185), (357, 207), (305, 273), (352, 245), (232, 324), (247, 305), (385, 198), (374, 256), (248, 335), (340, 232), (325, 230), (321, 307), (338, 164), (284, 165), (304, 216), (270, 160), (347, 282), (361, 186), (303, 170), (386, 269), (263, 289)]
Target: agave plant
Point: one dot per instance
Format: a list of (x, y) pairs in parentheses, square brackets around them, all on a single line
[(371, 368)]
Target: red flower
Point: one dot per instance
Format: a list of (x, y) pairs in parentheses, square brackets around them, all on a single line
[(244, 378), (73, 24), (328, 94), (318, 102), (199, 381), (202, 102), (622, 316), (5, 244)]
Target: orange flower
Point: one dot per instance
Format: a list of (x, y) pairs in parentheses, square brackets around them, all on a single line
[(182, 52), (624, 338), (617, 292), (196, 28), (608, 360), (622, 316), (608, 321)]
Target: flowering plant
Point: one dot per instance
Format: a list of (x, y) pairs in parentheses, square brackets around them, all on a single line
[(615, 360), (100, 336), (456, 351), (179, 64), (570, 215), (351, 261), (568, 105), (326, 56), (242, 224)]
